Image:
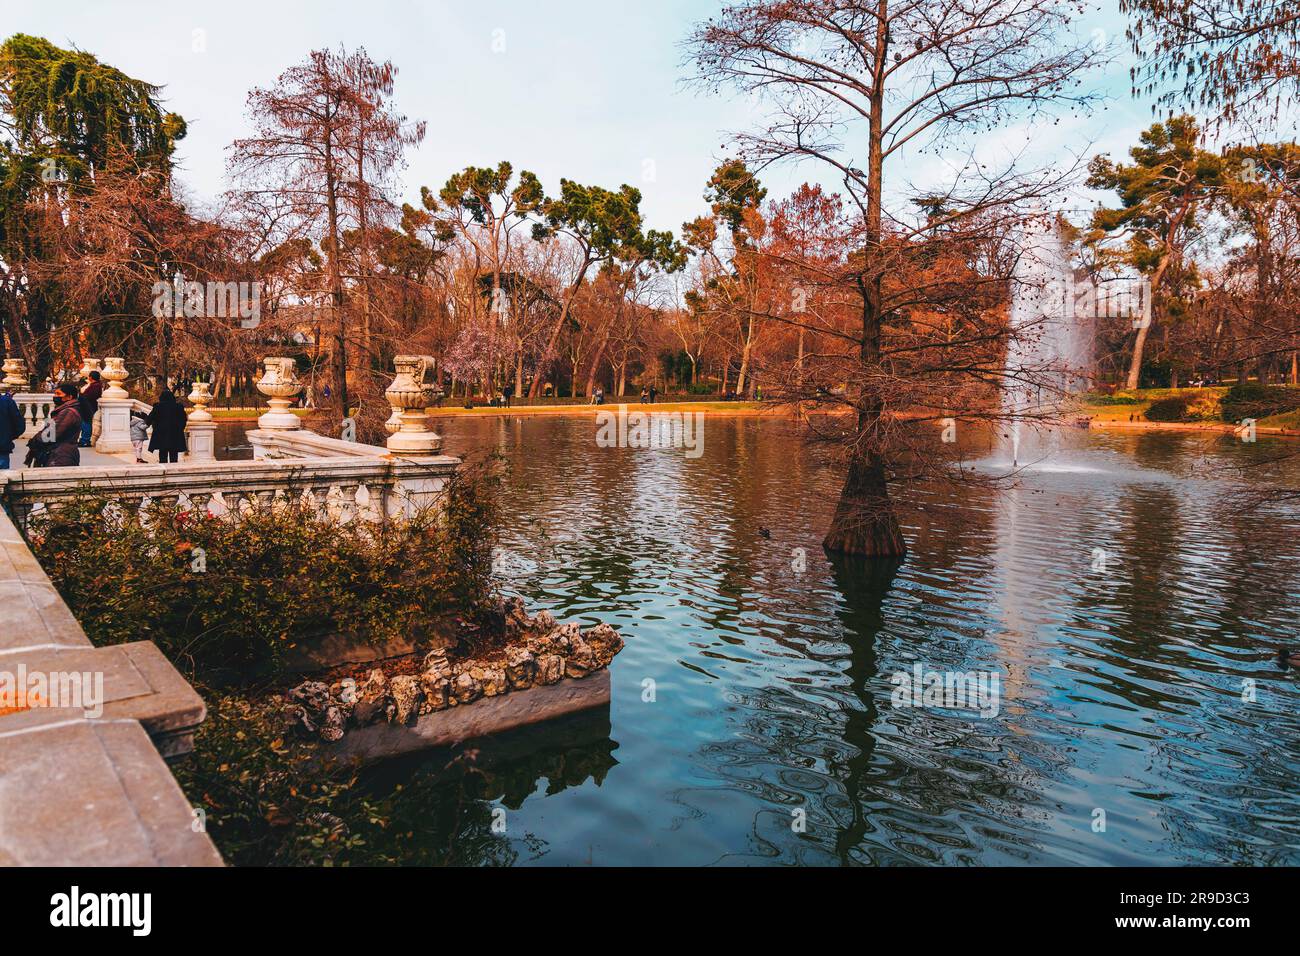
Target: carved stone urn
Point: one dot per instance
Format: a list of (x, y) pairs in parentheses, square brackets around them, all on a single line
[(408, 396), (115, 374), (200, 397), (15, 370), (88, 366), (279, 383)]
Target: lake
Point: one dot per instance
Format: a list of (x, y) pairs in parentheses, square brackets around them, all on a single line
[(1126, 595)]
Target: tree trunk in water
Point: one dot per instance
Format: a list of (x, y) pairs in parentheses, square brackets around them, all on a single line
[(864, 522)]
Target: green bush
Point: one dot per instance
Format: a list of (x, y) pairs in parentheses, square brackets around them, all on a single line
[(1253, 400), (1196, 406), (264, 583)]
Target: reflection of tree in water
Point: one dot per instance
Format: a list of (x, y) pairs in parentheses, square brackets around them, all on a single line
[(899, 792), (439, 805), (864, 585)]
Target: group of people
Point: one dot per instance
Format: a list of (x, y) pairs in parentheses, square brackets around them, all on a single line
[(70, 426), (649, 394)]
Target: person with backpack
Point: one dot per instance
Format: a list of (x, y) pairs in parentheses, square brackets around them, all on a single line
[(168, 422)]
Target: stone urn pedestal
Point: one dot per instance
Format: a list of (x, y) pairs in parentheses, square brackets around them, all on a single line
[(409, 397), (280, 384), (114, 409), (200, 429), (15, 370)]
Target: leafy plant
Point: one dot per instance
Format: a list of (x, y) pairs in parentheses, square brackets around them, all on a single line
[(1253, 400), (218, 593), (1189, 407)]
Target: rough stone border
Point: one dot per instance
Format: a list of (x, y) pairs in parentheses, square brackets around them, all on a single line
[(483, 718)]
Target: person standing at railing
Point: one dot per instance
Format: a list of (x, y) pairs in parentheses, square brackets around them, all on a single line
[(11, 425), (87, 405), (168, 422)]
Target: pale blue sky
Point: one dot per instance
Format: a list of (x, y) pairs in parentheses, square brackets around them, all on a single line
[(583, 89)]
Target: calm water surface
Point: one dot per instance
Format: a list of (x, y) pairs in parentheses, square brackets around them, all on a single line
[(1122, 675)]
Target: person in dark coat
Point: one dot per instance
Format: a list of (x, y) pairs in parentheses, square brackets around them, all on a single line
[(55, 446), (11, 426), (88, 404), (168, 422)]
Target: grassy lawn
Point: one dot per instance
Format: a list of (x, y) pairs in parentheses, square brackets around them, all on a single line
[(1128, 405)]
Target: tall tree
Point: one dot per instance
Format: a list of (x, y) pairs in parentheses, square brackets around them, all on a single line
[(63, 115), (854, 85), (598, 223), (1162, 193), (324, 140), (484, 206)]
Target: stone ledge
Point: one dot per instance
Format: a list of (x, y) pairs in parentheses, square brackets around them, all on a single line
[(482, 718), (88, 793), (139, 684)]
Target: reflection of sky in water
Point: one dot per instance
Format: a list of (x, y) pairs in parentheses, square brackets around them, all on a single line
[(1121, 688)]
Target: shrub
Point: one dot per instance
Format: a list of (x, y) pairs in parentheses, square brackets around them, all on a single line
[(1253, 400), (1197, 406), (263, 583)]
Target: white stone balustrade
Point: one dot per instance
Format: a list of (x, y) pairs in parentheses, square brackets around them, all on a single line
[(35, 409), (343, 489), (346, 480)]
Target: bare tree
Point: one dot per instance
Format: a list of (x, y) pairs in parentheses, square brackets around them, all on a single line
[(853, 85), (323, 142)]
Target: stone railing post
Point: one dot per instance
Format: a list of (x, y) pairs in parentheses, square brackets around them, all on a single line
[(114, 409), (410, 392), (279, 383), (200, 429)]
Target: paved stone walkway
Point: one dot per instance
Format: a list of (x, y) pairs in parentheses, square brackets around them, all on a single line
[(82, 788), (88, 457)]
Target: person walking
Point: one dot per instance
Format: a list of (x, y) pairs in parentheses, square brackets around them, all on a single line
[(139, 435), (168, 422), (653, 392), (11, 426), (508, 393), (88, 404), (645, 393)]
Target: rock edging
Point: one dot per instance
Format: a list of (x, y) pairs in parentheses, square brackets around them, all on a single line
[(539, 652)]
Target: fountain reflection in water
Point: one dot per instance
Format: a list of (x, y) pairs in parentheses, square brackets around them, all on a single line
[(1050, 351)]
